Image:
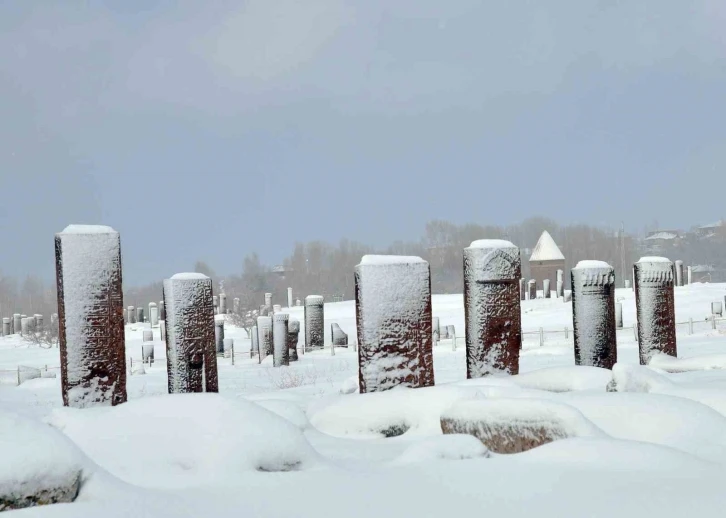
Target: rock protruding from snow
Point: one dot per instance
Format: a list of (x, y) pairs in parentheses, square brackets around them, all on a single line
[(38, 465), (515, 425), (593, 314), (655, 309), (281, 350), (314, 322), (393, 311), (492, 309), (293, 333), (90, 305), (190, 348)]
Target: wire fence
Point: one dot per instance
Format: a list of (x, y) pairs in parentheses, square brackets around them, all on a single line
[(530, 340)]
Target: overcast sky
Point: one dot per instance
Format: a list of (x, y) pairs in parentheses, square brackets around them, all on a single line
[(207, 130)]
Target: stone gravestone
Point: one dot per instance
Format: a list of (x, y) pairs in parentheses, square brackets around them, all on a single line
[(314, 322), (219, 336), (281, 350), (254, 343), (522, 289), (228, 347), (654, 303), (546, 291), (532, 289), (222, 304), (162, 312), (593, 314), (264, 335), (131, 314), (17, 323), (190, 349), (153, 314), (394, 325), (338, 337), (38, 322), (147, 347), (492, 270), (293, 332), (618, 315), (6, 327), (289, 297), (91, 326), (679, 273), (560, 283), (140, 315)]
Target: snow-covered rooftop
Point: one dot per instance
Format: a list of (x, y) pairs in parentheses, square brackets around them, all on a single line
[(390, 259), (491, 243), (546, 249), (715, 224)]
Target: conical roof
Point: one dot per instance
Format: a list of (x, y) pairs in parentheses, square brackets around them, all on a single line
[(546, 249)]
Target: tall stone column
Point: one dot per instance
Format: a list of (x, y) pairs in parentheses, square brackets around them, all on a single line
[(546, 290), (532, 289), (153, 314), (522, 289), (314, 322), (219, 336), (222, 303), (264, 335), (560, 284), (679, 273), (90, 308), (17, 322), (293, 332), (593, 314), (492, 270), (393, 310), (190, 349), (131, 314), (655, 307), (289, 298), (690, 275), (281, 350)]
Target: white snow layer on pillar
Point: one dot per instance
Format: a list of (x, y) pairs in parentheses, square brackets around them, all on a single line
[(281, 352)]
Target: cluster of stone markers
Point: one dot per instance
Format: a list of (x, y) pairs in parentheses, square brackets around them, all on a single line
[(25, 325), (395, 327)]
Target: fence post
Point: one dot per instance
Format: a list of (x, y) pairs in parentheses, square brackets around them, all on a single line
[(18, 375), (541, 337), (233, 355), (332, 348), (567, 333), (453, 342), (690, 326), (713, 321)]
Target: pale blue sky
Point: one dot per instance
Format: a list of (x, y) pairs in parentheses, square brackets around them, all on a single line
[(207, 130)]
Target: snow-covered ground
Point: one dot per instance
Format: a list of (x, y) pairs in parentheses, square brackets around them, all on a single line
[(297, 441)]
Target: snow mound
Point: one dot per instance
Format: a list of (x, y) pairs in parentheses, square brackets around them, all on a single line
[(611, 454), (565, 379), (387, 414), (515, 425), (287, 410), (667, 420), (443, 447), (38, 465), (697, 363), (185, 440)]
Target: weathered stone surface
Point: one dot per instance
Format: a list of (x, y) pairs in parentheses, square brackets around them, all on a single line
[(91, 326), (293, 332), (190, 348), (338, 336), (393, 310), (546, 289), (560, 286), (593, 314), (131, 314), (281, 349), (492, 271), (153, 314), (516, 425), (264, 335), (532, 289), (654, 301), (522, 289), (314, 322), (219, 336)]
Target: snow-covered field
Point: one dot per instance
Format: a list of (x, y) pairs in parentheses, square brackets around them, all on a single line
[(297, 441)]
